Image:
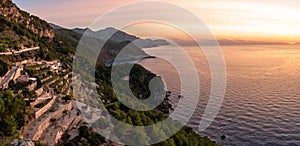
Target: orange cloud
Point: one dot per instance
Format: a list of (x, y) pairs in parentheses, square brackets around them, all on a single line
[(270, 20)]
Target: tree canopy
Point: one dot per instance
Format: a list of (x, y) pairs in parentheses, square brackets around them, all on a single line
[(3, 68), (12, 110)]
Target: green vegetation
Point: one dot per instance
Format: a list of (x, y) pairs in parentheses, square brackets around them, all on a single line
[(14, 34), (12, 110), (86, 137), (21, 28), (139, 77), (138, 80), (17, 86), (25, 36), (51, 79), (42, 104), (3, 68), (4, 41), (67, 98), (187, 137), (37, 143), (29, 94), (68, 40)]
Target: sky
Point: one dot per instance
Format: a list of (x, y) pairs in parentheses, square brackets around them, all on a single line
[(252, 21)]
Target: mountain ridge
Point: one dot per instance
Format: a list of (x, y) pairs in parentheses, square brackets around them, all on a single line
[(117, 36), (37, 104)]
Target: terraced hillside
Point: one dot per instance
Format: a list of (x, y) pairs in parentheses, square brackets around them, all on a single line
[(36, 90)]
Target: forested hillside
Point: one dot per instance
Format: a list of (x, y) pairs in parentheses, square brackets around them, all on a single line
[(36, 90)]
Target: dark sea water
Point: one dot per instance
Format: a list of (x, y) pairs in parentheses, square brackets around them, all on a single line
[(262, 101)]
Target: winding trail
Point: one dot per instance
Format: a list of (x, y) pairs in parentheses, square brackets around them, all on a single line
[(21, 51)]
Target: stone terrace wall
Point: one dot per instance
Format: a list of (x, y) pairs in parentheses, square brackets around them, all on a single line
[(39, 91), (72, 121), (46, 123), (45, 108)]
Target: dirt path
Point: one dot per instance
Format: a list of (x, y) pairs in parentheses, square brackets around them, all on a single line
[(20, 51)]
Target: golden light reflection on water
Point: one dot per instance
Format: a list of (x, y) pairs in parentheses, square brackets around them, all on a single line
[(262, 95)]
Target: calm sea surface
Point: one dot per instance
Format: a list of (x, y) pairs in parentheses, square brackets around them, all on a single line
[(262, 101)]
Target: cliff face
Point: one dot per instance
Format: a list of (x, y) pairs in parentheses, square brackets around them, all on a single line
[(12, 13)]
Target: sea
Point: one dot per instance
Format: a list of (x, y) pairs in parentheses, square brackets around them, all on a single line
[(261, 105)]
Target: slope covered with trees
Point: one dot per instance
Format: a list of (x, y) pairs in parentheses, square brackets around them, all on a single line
[(139, 79), (12, 113), (19, 29)]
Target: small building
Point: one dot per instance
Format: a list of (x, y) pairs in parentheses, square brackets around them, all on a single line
[(32, 79), (23, 78), (53, 65)]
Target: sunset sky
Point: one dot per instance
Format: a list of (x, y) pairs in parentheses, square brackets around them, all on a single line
[(254, 21)]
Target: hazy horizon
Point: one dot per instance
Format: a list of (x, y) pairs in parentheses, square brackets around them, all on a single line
[(150, 72), (255, 22)]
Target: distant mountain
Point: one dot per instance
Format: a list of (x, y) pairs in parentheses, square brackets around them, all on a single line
[(54, 26), (149, 43), (120, 36), (112, 47), (82, 31), (26, 114), (72, 37)]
